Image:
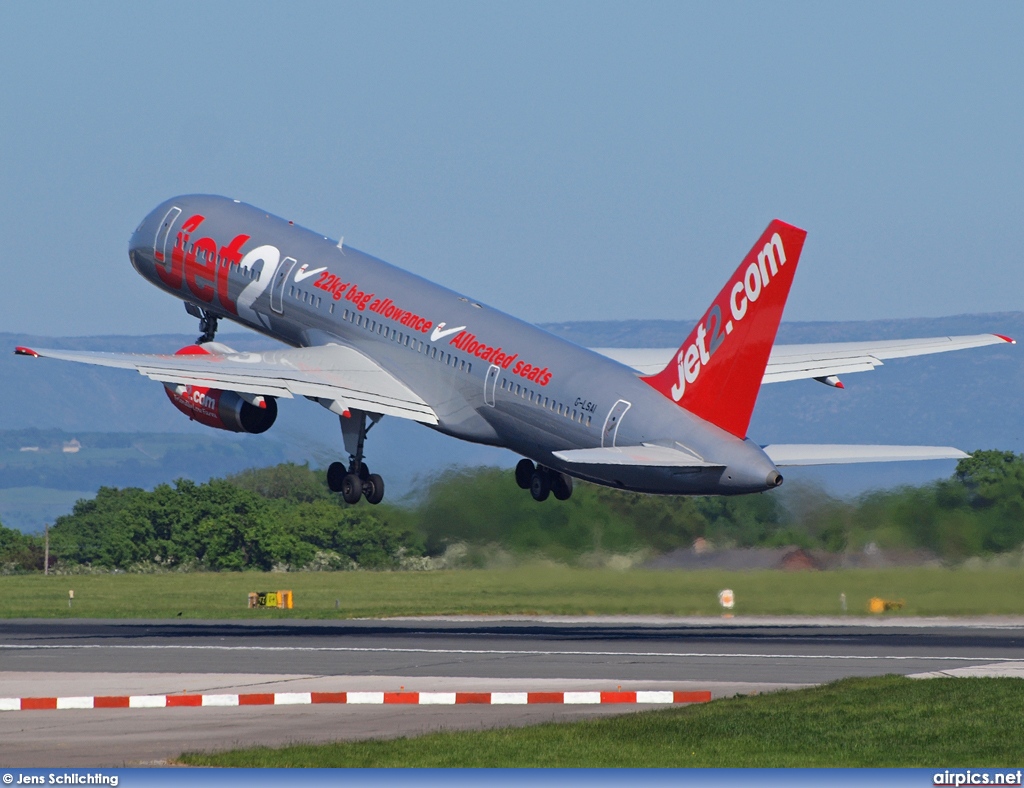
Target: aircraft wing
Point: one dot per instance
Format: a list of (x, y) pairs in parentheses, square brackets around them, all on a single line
[(339, 377), (795, 362), (783, 454)]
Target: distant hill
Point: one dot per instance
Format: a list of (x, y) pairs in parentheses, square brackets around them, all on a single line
[(969, 399)]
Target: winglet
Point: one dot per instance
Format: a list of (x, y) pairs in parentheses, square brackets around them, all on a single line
[(25, 351), (718, 370), (1006, 339)]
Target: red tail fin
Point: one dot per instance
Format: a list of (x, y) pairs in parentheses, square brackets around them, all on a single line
[(717, 373)]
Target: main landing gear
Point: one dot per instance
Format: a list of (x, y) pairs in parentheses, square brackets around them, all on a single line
[(356, 481), (541, 481)]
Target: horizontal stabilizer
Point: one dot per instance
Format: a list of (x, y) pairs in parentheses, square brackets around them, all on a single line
[(647, 455), (783, 454)]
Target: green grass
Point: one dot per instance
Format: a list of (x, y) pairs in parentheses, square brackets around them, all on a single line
[(888, 721), (525, 590)]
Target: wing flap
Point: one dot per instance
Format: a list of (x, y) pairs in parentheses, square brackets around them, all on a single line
[(784, 372), (793, 454), (327, 372), (237, 383)]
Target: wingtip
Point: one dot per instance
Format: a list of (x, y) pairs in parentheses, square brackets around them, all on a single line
[(25, 351), (1006, 338)]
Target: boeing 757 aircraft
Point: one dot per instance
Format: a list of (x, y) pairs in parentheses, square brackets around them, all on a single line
[(370, 340)]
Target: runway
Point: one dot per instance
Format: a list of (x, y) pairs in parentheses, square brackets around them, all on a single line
[(83, 657)]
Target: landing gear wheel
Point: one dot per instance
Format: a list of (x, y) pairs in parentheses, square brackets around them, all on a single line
[(336, 473), (540, 484), (351, 488), (561, 486), (373, 488), (363, 473), (524, 474), (208, 325)]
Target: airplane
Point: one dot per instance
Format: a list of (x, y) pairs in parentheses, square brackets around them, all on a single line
[(369, 340)]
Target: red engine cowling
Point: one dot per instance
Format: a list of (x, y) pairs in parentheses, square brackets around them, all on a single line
[(222, 410)]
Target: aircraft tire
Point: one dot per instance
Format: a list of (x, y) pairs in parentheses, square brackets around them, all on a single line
[(364, 472), (561, 486), (373, 488), (335, 475), (351, 488), (540, 484), (524, 474)]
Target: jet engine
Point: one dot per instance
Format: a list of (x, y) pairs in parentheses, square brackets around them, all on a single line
[(222, 410)]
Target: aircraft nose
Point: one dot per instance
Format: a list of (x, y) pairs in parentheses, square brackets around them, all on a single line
[(141, 242), (135, 242)]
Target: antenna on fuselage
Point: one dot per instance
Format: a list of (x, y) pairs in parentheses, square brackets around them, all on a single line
[(341, 243)]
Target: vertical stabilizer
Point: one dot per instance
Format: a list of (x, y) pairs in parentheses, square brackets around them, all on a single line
[(718, 370)]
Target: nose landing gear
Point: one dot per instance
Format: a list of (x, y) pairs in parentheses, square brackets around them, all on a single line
[(541, 481), (207, 323), (355, 481)]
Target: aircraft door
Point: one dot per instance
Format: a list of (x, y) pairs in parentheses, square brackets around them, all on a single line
[(491, 383), (612, 422), (160, 241), (277, 288)]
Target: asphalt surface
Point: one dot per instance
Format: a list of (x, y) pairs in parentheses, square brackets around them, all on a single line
[(79, 657)]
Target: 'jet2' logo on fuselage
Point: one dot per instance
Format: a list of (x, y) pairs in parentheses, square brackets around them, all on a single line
[(198, 267)]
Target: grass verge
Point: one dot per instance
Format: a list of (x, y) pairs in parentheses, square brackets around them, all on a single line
[(524, 590), (889, 721)]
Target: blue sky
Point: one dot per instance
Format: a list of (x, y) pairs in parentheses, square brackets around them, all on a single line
[(561, 161)]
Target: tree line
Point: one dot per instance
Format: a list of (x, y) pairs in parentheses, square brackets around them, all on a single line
[(285, 517)]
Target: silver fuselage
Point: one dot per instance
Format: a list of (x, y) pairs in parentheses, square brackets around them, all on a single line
[(496, 380)]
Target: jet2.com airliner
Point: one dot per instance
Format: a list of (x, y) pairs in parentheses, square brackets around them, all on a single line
[(370, 340)]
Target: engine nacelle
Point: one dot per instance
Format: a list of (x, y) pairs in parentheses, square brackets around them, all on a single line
[(222, 410)]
